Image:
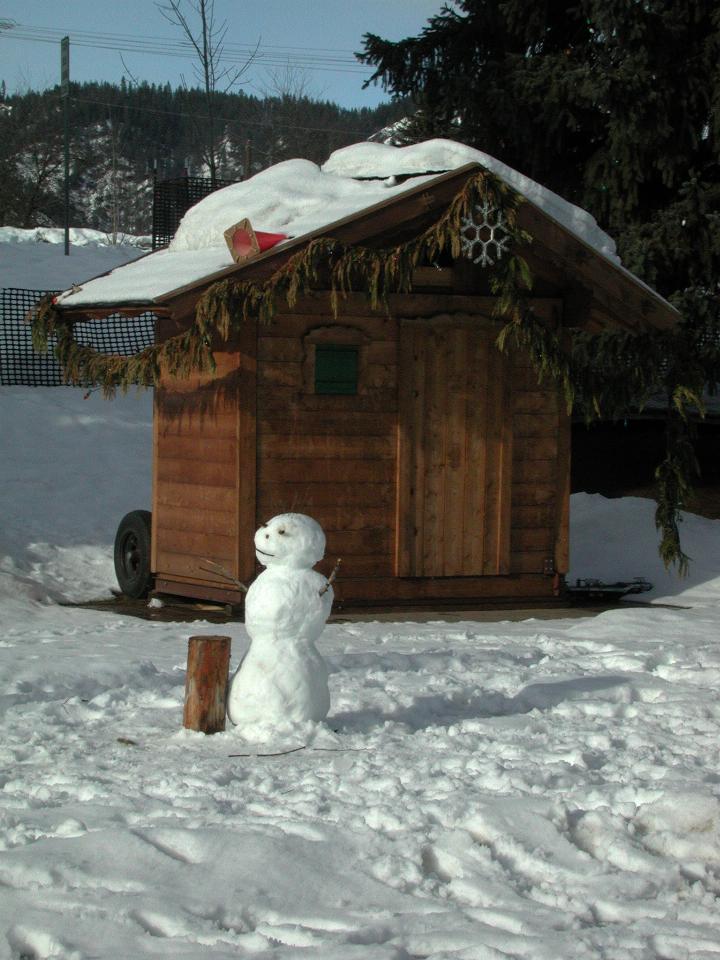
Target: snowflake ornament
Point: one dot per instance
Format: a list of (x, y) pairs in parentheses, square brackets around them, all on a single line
[(483, 230)]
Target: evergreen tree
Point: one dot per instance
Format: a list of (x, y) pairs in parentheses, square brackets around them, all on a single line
[(30, 162), (121, 134), (614, 104)]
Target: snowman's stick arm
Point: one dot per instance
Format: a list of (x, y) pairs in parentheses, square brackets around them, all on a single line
[(213, 567), (333, 575)]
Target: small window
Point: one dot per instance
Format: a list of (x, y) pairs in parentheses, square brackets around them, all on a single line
[(336, 369)]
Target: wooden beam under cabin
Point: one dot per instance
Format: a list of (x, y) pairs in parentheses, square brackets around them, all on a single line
[(87, 314)]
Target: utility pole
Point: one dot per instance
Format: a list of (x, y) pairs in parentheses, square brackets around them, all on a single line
[(248, 160), (65, 94)]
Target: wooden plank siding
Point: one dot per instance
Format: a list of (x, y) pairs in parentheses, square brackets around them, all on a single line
[(538, 462), (482, 441), (332, 457), (204, 469)]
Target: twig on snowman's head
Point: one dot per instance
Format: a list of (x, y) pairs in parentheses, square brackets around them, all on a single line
[(213, 567), (333, 575)]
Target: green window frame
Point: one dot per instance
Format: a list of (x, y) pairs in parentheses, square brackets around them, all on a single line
[(337, 367)]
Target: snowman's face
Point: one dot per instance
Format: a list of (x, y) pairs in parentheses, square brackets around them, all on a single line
[(290, 540)]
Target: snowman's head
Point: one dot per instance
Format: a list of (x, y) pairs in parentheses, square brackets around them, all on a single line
[(290, 540)]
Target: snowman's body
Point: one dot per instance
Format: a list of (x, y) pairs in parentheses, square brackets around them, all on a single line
[(283, 679)]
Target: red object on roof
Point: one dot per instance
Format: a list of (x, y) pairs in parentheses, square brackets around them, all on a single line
[(245, 242)]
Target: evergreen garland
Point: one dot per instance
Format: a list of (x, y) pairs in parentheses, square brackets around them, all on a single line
[(600, 376), (228, 303)]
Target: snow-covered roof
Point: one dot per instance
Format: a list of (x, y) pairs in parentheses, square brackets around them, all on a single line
[(299, 198), (382, 160)]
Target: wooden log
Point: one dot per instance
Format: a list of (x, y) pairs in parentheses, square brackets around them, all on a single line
[(537, 425), (185, 564), (197, 496), (325, 470), (206, 684), (298, 445), (189, 543), (534, 471), (291, 349), (329, 423), (274, 398), (201, 473), (304, 497), (532, 448)]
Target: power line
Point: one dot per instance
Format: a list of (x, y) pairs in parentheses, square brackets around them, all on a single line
[(165, 41), (313, 58)]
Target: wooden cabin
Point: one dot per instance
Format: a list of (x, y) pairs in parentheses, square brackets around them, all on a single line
[(438, 466)]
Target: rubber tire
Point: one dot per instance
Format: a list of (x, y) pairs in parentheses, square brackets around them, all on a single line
[(132, 554)]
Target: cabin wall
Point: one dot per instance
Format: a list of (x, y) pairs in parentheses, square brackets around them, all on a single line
[(235, 449), (339, 458), (333, 457), (540, 475), (204, 475)]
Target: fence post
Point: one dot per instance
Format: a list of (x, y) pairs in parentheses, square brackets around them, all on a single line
[(206, 684)]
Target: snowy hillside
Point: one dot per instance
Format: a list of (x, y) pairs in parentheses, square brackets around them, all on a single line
[(541, 789)]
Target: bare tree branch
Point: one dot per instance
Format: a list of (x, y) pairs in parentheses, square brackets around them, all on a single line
[(212, 567), (207, 42), (134, 82)]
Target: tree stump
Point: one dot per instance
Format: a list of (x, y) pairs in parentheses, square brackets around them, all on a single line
[(206, 684)]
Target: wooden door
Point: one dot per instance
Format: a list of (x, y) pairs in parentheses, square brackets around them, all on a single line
[(455, 450)]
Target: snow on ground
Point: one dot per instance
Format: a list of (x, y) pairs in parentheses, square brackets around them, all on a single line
[(35, 259), (73, 467), (543, 790)]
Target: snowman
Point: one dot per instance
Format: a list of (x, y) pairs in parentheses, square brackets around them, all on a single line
[(283, 679)]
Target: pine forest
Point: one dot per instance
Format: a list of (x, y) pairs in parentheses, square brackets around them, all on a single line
[(121, 137)]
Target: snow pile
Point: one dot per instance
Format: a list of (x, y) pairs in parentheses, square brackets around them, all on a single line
[(35, 259), (59, 511), (601, 548), (79, 237), (297, 197), (294, 197), (75, 466)]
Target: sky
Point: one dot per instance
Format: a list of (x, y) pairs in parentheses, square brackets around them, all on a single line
[(315, 39)]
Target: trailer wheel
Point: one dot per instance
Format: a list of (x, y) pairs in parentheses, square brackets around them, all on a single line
[(132, 554)]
